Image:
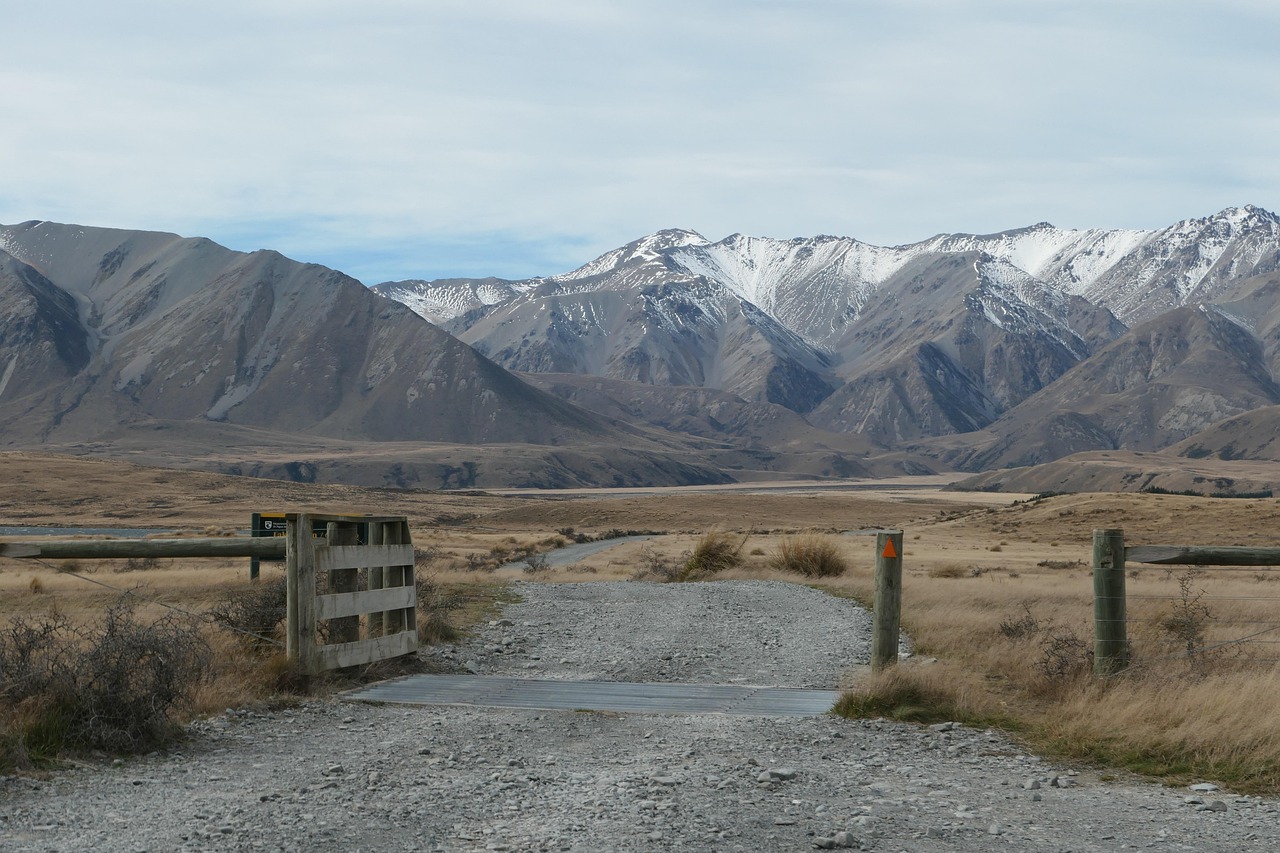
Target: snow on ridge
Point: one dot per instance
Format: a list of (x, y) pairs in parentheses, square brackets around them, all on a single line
[(647, 249), (1069, 257), (1011, 298), (441, 301)]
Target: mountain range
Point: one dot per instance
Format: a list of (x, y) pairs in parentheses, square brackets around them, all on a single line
[(672, 359), (972, 351)]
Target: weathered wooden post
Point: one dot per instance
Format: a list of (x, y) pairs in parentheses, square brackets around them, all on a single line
[(300, 558), (255, 565), (395, 621), (887, 614), (377, 580), (1110, 631)]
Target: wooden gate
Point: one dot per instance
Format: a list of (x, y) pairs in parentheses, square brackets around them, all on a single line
[(350, 602)]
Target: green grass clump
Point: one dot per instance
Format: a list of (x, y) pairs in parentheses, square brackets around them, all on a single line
[(906, 694)]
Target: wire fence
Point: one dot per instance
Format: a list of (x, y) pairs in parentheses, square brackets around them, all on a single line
[(1202, 614)]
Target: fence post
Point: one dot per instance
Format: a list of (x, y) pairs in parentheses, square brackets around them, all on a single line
[(1110, 637), (255, 524), (301, 586), (887, 613)]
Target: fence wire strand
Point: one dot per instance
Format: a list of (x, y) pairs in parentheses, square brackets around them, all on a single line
[(201, 617)]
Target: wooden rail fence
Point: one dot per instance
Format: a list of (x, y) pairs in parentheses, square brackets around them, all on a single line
[(348, 603), (1111, 652)]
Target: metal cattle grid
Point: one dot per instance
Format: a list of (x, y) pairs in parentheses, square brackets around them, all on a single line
[(620, 696)]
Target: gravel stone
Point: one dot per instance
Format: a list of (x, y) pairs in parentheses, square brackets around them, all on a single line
[(469, 779)]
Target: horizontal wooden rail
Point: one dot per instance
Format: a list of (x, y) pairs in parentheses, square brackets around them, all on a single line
[(361, 652), (339, 557), (121, 549), (1197, 555), (335, 605)]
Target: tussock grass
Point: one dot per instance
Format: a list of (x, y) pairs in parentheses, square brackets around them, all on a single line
[(810, 555), (713, 553)]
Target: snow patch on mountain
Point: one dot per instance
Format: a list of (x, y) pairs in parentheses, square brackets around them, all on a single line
[(1017, 301), (441, 301)]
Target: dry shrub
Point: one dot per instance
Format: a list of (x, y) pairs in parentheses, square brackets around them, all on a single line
[(811, 555), (1065, 660), (435, 607), (109, 686), (715, 552), (256, 612), (139, 564), (951, 570), (654, 566)]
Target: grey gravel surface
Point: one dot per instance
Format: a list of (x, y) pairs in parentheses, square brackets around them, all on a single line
[(335, 775)]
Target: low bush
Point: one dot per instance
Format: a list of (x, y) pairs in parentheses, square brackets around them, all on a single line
[(139, 564), (811, 556), (110, 686), (257, 612), (435, 607), (653, 566)]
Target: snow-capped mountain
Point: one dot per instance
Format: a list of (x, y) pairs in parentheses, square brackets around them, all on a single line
[(672, 358), (893, 342), (1139, 274)]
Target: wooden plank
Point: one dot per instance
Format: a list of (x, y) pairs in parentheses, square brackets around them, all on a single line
[(351, 519), (340, 557), (377, 580), (367, 651), (1197, 555), (113, 549), (339, 604), (394, 621)]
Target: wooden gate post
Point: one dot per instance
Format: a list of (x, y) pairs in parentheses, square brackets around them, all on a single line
[(300, 560), (1110, 631), (887, 614)]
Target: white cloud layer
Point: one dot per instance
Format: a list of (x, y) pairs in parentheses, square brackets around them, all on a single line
[(398, 138)]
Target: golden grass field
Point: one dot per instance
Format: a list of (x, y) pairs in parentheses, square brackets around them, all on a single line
[(997, 592)]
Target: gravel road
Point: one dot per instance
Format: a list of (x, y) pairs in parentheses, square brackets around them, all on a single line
[(336, 775)]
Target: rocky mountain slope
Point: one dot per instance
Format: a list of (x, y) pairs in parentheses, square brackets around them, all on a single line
[(672, 357), (900, 344), (106, 333)]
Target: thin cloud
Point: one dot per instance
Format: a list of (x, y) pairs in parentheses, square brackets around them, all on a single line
[(397, 139)]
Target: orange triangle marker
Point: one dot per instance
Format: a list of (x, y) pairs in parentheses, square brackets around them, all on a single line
[(889, 551)]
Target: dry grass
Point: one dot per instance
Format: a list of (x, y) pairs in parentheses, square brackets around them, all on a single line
[(242, 671), (810, 555), (999, 593), (714, 552), (1015, 647)]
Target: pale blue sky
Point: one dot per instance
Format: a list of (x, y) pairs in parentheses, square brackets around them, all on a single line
[(431, 138)]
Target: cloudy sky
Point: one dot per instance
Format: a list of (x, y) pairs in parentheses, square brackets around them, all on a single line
[(429, 138)]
